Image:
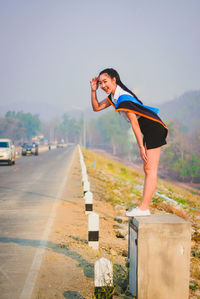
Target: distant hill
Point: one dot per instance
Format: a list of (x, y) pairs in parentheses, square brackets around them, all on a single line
[(185, 109), (47, 111)]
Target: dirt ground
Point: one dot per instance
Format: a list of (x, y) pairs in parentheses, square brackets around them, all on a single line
[(67, 270)]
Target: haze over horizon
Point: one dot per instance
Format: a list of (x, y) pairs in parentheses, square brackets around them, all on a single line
[(51, 49)]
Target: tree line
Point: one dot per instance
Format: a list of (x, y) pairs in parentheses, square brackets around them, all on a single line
[(180, 158), (20, 126)]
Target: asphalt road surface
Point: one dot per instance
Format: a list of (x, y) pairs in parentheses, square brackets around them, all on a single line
[(30, 191)]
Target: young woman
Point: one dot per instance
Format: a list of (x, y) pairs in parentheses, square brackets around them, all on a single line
[(148, 128)]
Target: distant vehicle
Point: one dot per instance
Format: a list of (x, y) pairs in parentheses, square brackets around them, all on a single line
[(60, 145), (26, 149), (29, 149), (7, 151)]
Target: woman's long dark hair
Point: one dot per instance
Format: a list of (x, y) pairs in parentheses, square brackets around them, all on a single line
[(114, 74)]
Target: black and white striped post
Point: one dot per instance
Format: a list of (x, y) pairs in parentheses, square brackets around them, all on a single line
[(86, 187), (84, 177), (93, 230), (88, 202), (83, 167), (83, 171), (103, 278)]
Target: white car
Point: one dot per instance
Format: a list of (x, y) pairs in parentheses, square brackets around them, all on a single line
[(7, 151)]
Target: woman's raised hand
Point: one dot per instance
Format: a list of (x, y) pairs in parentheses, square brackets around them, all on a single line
[(94, 83)]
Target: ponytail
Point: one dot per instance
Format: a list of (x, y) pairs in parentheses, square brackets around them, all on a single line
[(114, 74)]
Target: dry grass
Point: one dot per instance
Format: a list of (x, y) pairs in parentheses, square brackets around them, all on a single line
[(122, 185)]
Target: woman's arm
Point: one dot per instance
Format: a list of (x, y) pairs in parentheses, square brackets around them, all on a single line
[(97, 106), (138, 134)]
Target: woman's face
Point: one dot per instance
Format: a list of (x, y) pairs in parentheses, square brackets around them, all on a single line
[(107, 83)]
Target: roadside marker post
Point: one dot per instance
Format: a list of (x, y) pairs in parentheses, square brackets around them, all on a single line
[(86, 186), (84, 178), (88, 202), (93, 230), (84, 169), (103, 278)]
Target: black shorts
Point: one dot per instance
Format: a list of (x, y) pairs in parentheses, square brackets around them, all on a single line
[(154, 134)]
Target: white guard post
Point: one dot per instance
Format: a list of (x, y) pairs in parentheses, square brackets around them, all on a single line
[(103, 278), (93, 230), (86, 186), (84, 178), (83, 169), (88, 202)]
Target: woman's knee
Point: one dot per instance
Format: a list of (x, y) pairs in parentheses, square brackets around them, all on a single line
[(150, 171)]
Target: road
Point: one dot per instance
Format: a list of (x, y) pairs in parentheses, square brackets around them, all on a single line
[(30, 191)]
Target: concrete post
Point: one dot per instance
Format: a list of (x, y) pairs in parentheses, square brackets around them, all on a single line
[(93, 230), (159, 256), (84, 171), (83, 168), (88, 202), (86, 187), (103, 278), (84, 178)]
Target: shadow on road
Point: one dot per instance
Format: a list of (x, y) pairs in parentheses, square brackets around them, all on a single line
[(36, 194), (88, 268), (72, 295)]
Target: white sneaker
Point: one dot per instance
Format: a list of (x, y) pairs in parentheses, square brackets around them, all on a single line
[(137, 212)]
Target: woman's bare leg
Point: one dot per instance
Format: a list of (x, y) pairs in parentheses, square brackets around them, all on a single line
[(150, 169)]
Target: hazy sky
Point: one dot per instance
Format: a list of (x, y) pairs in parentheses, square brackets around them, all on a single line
[(50, 49)]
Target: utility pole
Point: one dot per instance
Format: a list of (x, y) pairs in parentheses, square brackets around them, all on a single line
[(84, 129)]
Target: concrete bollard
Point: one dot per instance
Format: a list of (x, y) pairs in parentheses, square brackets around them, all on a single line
[(84, 178), (93, 230), (84, 172), (159, 257), (103, 278), (83, 167), (86, 187), (88, 202)]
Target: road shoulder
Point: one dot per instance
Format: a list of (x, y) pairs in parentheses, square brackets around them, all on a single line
[(67, 267)]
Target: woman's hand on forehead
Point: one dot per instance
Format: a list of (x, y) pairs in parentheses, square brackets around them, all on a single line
[(94, 83)]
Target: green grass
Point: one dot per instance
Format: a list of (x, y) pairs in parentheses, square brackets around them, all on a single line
[(157, 200), (194, 192), (193, 287), (182, 201), (110, 166)]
